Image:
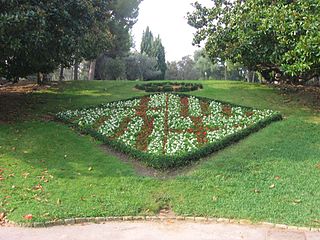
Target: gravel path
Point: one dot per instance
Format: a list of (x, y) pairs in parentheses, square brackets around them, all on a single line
[(169, 230)]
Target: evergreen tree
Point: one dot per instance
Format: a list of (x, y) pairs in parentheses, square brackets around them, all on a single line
[(155, 49), (147, 42), (160, 55)]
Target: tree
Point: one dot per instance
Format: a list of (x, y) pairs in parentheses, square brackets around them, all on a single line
[(38, 36), (187, 70), (154, 48), (172, 72), (275, 38), (139, 66), (147, 42), (125, 15), (160, 55)]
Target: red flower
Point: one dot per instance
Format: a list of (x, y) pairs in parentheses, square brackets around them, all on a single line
[(205, 133)]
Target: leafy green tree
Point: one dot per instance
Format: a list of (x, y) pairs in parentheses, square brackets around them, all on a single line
[(172, 72), (112, 69), (38, 36), (125, 15), (142, 67), (279, 39), (187, 69)]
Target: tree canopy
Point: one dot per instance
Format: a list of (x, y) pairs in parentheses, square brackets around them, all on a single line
[(38, 36), (276, 38), (153, 47)]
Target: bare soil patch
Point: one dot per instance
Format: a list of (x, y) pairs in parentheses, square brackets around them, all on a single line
[(307, 95), (16, 101)]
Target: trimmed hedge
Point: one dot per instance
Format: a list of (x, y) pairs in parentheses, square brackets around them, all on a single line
[(163, 162), (169, 87)]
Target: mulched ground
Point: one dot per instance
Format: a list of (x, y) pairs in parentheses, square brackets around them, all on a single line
[(307, 95), (15, 100)]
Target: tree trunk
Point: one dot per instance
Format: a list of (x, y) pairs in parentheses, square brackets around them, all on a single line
[(92, 70), (40, 78), (61, 76), (225, 72), (265, 74), (253, 76), (76, 70), (15, 80)]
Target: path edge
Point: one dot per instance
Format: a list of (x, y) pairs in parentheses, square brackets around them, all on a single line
[(208, 220)]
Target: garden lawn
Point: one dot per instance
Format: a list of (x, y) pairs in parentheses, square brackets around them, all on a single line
[(52, 172)]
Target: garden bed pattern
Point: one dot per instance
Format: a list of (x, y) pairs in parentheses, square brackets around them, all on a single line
[(169, 87), (168, 130)]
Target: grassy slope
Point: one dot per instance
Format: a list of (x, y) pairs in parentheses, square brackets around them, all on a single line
[(79, 179)]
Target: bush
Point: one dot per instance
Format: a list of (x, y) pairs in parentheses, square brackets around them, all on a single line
[(168, 87)]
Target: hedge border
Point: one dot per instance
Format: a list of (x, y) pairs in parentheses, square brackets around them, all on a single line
[(161, 162), (155, 218), (156, 87)]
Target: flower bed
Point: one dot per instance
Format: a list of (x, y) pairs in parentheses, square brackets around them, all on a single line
[(169, 87), (168, 130)]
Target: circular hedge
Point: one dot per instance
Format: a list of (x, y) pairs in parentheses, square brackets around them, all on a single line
[(169, 87)]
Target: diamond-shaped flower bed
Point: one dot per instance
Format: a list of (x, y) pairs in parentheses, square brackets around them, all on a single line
[(169, 130)]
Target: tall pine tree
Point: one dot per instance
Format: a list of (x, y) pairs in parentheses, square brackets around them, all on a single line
[(160, 55), (153, 47), (147, 43)]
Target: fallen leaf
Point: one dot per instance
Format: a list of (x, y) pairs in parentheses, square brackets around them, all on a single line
[(90, 168), (38, 187), (257, 191), (58, 201), (272, 186), (2, 216), (43, 178), (13, 149), (28, 217), (214, 198), (297, 201), (277, 177), (25, 175), (2, 178)]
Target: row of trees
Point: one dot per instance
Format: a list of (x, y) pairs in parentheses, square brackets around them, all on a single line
[(279, 39), (201, 67), (36, 37), (148, 64)]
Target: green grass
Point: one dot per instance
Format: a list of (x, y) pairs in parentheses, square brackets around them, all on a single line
[(272, 175)]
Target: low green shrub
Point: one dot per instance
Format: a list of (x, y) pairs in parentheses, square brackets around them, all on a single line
[(169, 87)]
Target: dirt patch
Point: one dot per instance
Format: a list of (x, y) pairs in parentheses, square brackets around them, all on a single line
[(306, 95), (22, 87), (16, 101)]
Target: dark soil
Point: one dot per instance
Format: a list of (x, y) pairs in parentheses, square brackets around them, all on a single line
[(307, 95), (16, 100)]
